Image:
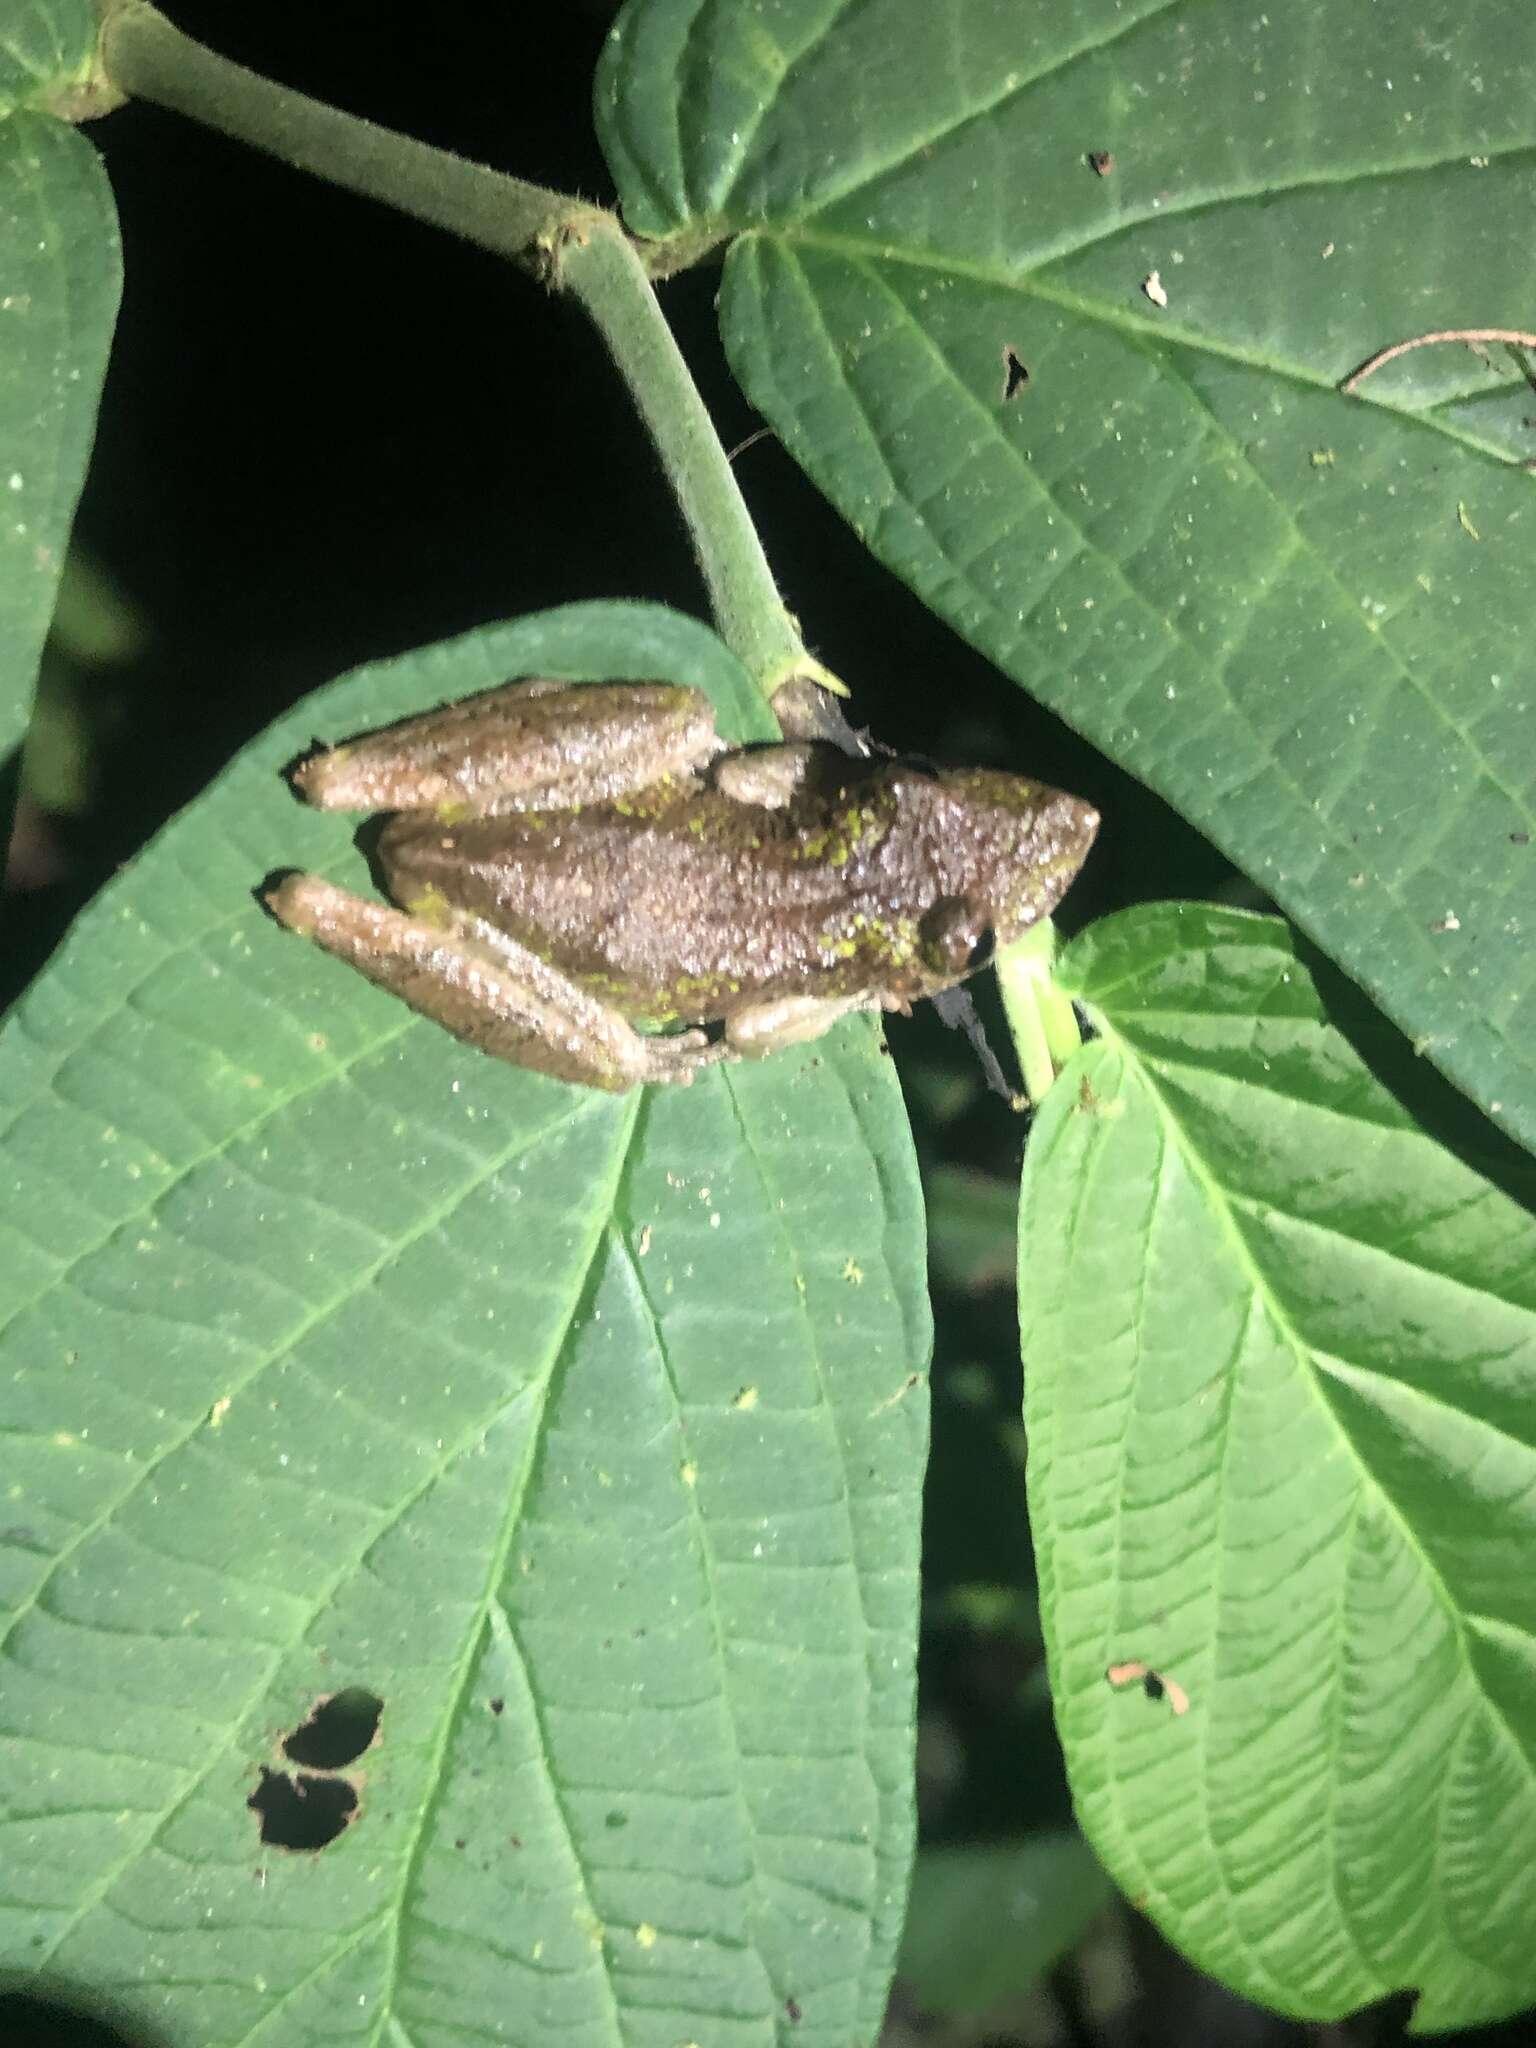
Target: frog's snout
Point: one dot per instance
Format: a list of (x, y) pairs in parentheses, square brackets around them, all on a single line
[(1079, 824)]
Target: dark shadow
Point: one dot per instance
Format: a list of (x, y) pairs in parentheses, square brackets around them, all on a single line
[(1435, 1104), (66, 2017)]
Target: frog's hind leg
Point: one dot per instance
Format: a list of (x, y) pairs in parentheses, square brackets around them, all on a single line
[(487, 989), (526, 746)]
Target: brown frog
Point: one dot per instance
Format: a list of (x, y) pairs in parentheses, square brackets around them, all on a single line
[(571, 861)]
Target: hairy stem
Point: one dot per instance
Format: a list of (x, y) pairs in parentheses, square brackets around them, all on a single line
[(600, 268), (148, 57)]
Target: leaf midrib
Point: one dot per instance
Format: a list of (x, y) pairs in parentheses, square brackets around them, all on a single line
[(1124, 320), (601, 1208)]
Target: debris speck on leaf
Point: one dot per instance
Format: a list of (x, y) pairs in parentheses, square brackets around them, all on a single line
[(912, 1380), (1464, 520), (1449, 923), (1152, 285), (1511, 337), (1156, 1684)]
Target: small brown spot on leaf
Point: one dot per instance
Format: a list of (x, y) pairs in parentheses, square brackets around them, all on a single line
[(1101, 162)]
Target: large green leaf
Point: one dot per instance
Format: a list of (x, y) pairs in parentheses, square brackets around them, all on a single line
[(584, 1431), (1304, 618), (59, 280), (1280, 1358)]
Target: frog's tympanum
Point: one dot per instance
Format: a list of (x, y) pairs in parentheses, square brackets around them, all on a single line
[(571, 861)]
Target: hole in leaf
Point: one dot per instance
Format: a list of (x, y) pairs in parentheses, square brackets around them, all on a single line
[(337, 1732), (1015, 372), (498, 1706), (302, 1812)]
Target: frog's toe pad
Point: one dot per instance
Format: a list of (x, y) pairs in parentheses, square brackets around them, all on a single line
[(302, 902)]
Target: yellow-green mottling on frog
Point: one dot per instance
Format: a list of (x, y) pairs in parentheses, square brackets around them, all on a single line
[(570, 861)]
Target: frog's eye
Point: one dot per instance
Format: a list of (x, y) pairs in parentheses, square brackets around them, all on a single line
[(955, 938)]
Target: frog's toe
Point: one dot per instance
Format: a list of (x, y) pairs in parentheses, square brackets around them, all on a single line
[(309, 906), (681, 1056)]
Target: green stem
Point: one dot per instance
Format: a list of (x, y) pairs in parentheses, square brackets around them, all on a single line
[(147, 57), (1040, 1016), (600, 268)]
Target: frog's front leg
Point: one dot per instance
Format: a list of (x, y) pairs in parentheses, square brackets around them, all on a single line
[(768, 777), (525, 746), (487, 989), (762, 1028)]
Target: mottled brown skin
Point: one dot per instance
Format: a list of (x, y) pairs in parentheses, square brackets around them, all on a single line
[(570, 861), (681, 903)]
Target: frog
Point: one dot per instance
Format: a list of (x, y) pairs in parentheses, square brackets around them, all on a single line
[(588, 881)]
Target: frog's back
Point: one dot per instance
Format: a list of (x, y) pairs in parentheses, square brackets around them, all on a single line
[(680, 900)]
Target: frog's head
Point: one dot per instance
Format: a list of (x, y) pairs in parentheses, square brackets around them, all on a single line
[(1004, 851)]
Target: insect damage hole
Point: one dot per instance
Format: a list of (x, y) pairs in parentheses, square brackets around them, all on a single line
[(300, 1812), (1015, 372), (339, 1728)]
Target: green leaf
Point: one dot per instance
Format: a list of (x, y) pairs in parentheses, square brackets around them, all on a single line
[(44, 45), (1303, 618), (1280, 1352), (988, 1919), (584, 1431), (59, 282)]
